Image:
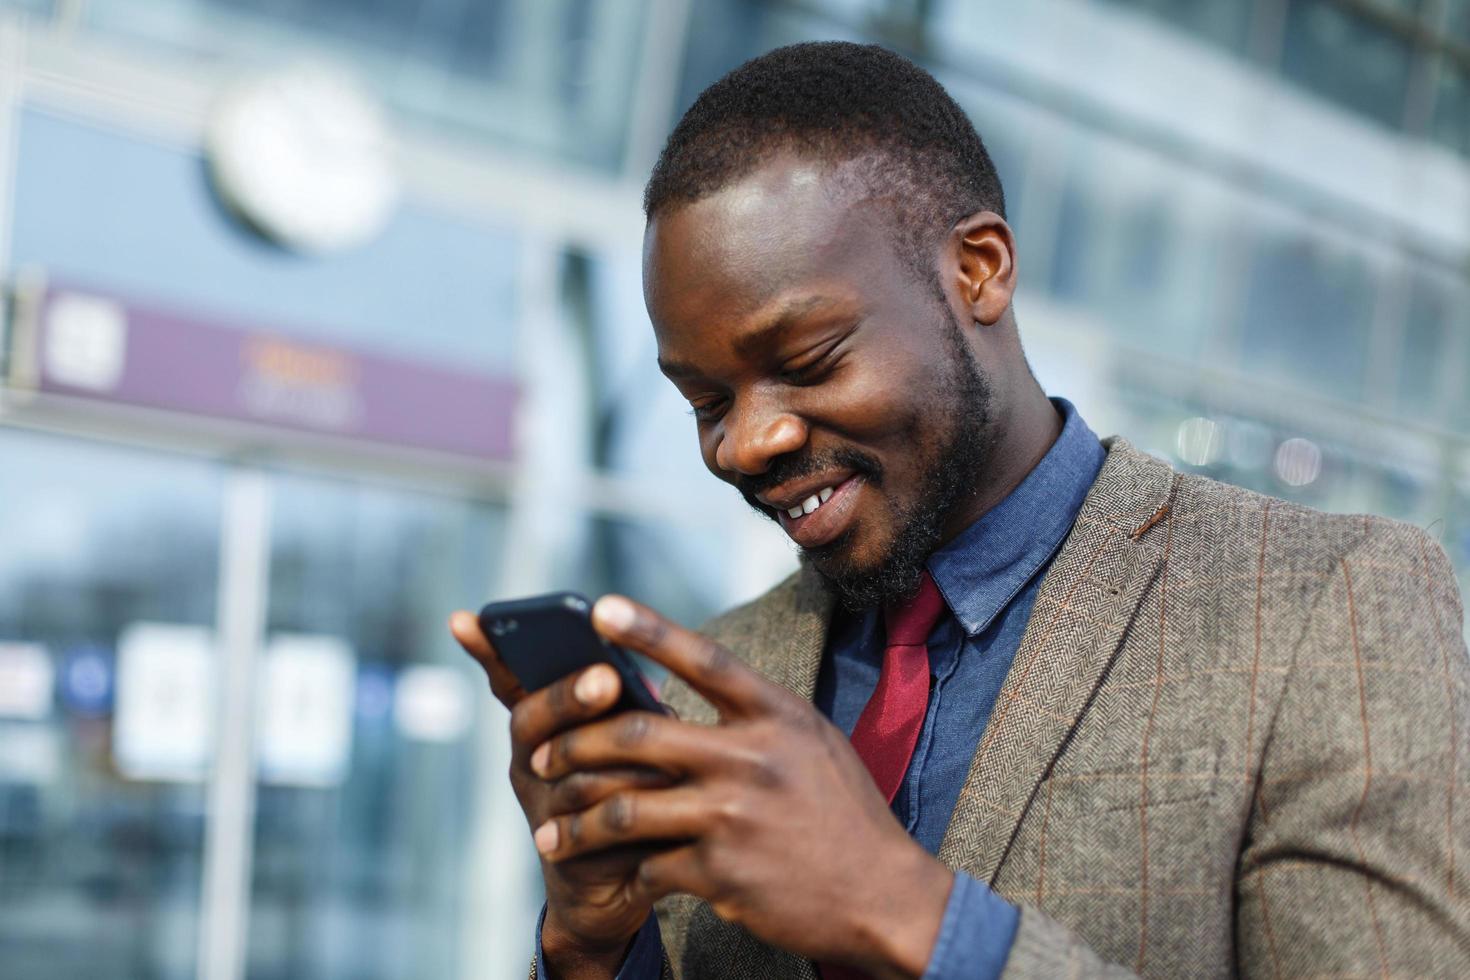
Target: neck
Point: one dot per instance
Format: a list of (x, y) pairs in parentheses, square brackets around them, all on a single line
[(1025, 430)]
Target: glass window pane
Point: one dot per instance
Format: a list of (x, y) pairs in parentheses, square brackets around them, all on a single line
[(360, 851), (29, 6), (1307, 315), (1451, 124), (1457, 22), (1347, 58), (1079, 235), (1427, 342), (1226, 23), (99, 870), (552, 76)]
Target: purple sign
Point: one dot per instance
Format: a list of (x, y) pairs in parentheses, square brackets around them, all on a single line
[(101, 347)]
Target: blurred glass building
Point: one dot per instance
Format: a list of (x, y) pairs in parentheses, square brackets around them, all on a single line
[(323, 318)]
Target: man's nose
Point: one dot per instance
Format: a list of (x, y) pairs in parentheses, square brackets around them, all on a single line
[(753, 437)]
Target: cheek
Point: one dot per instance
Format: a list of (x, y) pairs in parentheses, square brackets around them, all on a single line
[(876, 404)]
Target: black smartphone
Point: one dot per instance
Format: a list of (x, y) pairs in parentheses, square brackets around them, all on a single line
[(546, 637)]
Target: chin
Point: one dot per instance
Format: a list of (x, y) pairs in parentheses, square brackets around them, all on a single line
[(860, 580)]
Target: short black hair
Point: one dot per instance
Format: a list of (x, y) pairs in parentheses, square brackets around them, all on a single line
[(837, 101)]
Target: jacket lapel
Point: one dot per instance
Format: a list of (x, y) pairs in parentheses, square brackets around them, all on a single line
[(792, 632), (1086, 602)]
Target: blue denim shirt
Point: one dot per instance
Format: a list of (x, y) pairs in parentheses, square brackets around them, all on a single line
[(989, 576)]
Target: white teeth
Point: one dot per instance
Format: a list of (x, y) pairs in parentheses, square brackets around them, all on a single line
[(811, 503)]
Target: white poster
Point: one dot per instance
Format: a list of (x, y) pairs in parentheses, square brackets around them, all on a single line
[(86, 342), (432, 704), (306, 698), (163, 721), (27, 680)]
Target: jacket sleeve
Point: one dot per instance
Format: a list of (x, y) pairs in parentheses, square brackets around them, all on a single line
[(1356, 841), (1353, 852), (1043, 947)]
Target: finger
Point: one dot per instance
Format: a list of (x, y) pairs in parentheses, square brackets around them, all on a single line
[(574, 700), (617, 864), (667, 872), (580, 790), (637, 738), (503, 684), (732, 687), (629, 817)]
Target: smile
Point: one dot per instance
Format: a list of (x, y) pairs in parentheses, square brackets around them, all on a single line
[(821, 516), (811, 503)]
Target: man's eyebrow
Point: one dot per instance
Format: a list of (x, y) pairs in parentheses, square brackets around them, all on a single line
[(778, 323), (758, 338), (677, 369)]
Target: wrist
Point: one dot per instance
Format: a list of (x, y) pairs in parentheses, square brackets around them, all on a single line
[(900, 928), (568, 956)]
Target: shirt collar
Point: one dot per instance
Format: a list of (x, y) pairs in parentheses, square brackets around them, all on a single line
[(983, 569)]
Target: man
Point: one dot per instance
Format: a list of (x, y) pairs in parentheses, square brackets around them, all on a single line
[(1035, 705)]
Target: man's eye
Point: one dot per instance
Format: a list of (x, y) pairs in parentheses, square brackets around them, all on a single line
[(708, 411), (808, 373)]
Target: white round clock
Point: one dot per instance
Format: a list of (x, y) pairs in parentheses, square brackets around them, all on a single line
[(303, 156)]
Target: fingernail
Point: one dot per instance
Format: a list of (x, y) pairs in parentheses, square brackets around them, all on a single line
[(541, 758), (614, 612), (593, 686), (546, 837)]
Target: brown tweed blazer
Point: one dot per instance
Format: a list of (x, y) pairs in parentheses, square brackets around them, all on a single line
[(1233, 742)]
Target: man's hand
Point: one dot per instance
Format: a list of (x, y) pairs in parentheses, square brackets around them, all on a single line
[(781, 828), (594, 905)]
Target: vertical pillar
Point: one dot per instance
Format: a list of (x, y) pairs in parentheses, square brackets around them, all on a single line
[(230, 826)]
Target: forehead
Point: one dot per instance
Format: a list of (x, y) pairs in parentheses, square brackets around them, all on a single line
[(790, 229)]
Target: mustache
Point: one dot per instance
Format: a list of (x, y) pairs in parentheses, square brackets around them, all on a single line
[(794, 467)]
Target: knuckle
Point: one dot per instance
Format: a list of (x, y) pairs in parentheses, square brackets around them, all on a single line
[(573, 792), (520, 723), (654, 630), (559, 698), (618, 812), (765, 770), (728, 814), (800, 716), (564, 750), (713, 660), (574, 829), (633, 728)]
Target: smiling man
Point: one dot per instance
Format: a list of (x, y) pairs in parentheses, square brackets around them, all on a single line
[(1035, 705)]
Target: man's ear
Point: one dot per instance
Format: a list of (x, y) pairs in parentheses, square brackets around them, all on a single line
[(982, 254)]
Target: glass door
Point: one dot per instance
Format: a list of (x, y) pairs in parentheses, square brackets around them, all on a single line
[(367, 792), (108, 571)]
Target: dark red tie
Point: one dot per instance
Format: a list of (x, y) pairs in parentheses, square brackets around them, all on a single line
[(888, 729)]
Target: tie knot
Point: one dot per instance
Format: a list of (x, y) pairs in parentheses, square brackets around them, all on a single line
[(909, 624)]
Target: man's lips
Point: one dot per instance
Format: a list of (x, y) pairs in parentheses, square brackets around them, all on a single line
[(817, 526)]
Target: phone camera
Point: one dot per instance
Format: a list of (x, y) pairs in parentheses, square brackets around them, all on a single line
[(503, 626)]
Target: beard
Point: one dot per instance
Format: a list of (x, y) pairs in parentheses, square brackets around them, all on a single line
[(952, 459)]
